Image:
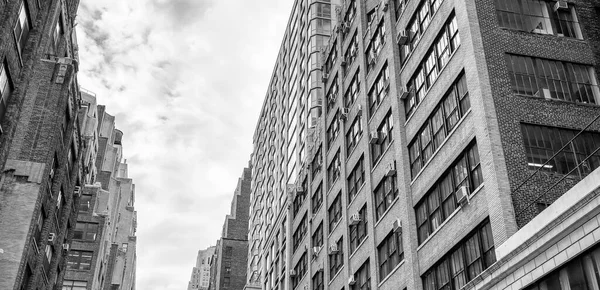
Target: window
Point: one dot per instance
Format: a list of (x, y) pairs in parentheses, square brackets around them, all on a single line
[(390, 252), (79, 260), (335, 212), (317, 198), (441, 201), (379, 90), (57, 33), (300, 269), (356, 179), (317, 237), (354, 134), (85, 231), (350, 13), (385, 193), (375, 45), (333, 130), (317, 281), (467, 260), (226, 281), (316, 163), (436, 58), (350, 55), (453, 106), (363, 277), (352, 92), (85, 202), (333, 170), (385, 137), (336, 259), (331, 58), (299, 233), (5, 89), (22, 27), (552, 79), (298, 201), (332, 94), (74, 285), (538, 17), (542, 142), (399, 6), (358, 230), (417, 25)]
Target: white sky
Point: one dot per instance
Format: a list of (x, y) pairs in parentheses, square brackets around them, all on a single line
[(185, 80)]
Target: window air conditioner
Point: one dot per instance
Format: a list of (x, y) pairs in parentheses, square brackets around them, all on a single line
[(325, 77), (351, 280), (403, 93), (354, 219), (344, 113), (402, 37), (300, 189), (292, 273), (543, 93), (391, 171), (66, 247), (51, 237), (315, 250), (333, 249), (397, 226), (561, 5), (358, 110), (374, 137), (77, 190), (462, 195)]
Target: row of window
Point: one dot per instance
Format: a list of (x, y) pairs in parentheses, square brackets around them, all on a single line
[(299, 233), (416, 26)]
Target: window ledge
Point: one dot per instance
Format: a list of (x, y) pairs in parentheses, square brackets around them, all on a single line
[(381, 156), (357, 192), (582, 40), (559, 100), (335, 276), (435, 153), (355, 146), (387, 210), (334, 228), (455, 212), (378, 105), (358, 247), (391, 273)]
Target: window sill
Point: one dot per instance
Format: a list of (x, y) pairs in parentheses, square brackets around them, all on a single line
[(358, 247), (454, 213), (582, 40), (435, 153), (357, 192), (378, 105), (387, 210), (334, 228), (335, 276), (391, 273), (559, 100), (354, 148), (381, 156)]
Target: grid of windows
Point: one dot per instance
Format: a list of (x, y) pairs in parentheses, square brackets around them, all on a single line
[(375, 45), (336, 259), (356, 179), (335, 212), (332, 94), (363, 277), (74, 285), (384, 130), (538, 17), (417, 25), (317, 281), (379, 90), (358, 229), (354, 134), (317, 237), (441, 201), (299, 233), (85, 231), (353, 89), (436, 58), (351, 12), (385, 194), (390, 253), (467, 260), (552, 79), (79, 260), (453, 106), (300, 269), (5, 89), (333, 170), (542, 142), (317, 198), (351, 53), (333, 130)]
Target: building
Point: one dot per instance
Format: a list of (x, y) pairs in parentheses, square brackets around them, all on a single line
[(422, 144), (103, 251), (200, 279), (40, 144), (228, 266)]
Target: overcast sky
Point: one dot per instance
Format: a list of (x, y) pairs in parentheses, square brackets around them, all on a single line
[(185, 80)]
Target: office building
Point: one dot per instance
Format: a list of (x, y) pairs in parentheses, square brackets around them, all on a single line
[(422, 144), (200, 279)]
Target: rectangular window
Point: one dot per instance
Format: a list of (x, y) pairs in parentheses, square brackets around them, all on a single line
[(333, 170), (317, 163), (336, 259), (399, 6), (436, 58), (362, 277), (74, 285), (462, 264), (317, 199), (5, 89), (332, 94), (57, 33), (356, 179), (350, 13), (79, 260), (299, 233), (441, 201), (385, 194), (390, 252), (538, 17), (22, 27), (353, 90), (385, 137), (317, 281), (542, 142), (85, 203), (331, 58), (453, 106), (358, 229), (317, 237), (85, 231), (333, 129), (354, 134), (298, 201), (300, 268), (379, 90), (553, 79), (335, 212), (417, 24), (350, 55), (375, 45)]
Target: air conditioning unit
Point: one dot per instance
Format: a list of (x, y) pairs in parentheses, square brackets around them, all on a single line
[(374, 137), (345, 27), (385, 5), (397, 226), (300, 189), (358, 110), (344, 63), (372, 63), (325, 77), (333, 249), (292, 273), (344, 114), (331, 99), (543, 93), (402, 37), (66, 247), (320, 268), (351, 280), (77, 190), (391, 170), (355, 219), (316, 250), (462, 195), (51, 237), (403, 93), (561, 6)]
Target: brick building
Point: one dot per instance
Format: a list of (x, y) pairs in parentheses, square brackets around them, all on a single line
[(228, 265), (412, 144), (40, 144), (200, 278)]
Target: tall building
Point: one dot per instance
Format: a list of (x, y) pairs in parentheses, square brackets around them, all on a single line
[(422, 144), (103, 252), (40, 146), (200, 279), (228, 265)]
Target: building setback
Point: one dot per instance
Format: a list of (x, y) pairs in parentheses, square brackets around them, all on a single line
[(40, 144), (228, 268), (200, 278), (422, 144)]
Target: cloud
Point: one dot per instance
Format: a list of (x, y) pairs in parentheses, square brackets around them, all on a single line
[(185, 80)]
